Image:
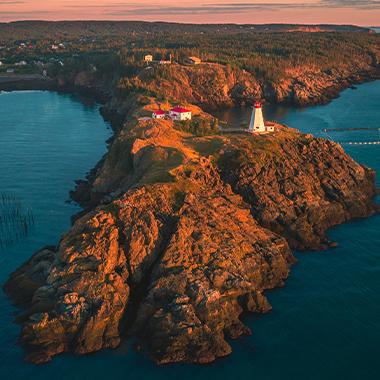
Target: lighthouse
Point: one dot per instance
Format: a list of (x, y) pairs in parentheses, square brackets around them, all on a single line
[(257, 124)]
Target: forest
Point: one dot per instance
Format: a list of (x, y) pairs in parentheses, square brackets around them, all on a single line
[(269, 52)]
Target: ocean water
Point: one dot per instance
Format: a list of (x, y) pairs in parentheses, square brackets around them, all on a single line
[(325, 323)]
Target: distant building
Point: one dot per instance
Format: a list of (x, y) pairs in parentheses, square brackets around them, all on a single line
[(180, 114), (194, 60), (148, 58), (257, 124), (158, 114), (1, 63), (54, 47), (21, 63), (10, 71)]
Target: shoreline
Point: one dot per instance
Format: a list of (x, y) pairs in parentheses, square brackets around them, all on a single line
[(259, 304)]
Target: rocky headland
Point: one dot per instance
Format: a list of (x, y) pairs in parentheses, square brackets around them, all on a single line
[(182, 234), (214, 85)]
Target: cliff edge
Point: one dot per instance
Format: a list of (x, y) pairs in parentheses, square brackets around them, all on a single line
[(188, 233)]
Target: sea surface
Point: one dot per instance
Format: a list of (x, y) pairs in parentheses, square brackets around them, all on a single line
[(325, 323)]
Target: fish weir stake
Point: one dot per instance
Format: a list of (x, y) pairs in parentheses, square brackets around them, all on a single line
[(15, 222)]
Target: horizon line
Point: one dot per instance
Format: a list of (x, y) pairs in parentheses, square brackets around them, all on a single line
[(186, 23)]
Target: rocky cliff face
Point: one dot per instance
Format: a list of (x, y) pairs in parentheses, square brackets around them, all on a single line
[(213, 85), (190, 234), (300, 187)]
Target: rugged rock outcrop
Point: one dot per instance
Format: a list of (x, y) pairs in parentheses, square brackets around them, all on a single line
[(301, 187), (188, 234), (197, 260), (214, 85)]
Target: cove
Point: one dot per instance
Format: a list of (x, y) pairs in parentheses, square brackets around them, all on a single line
[(324, 323)]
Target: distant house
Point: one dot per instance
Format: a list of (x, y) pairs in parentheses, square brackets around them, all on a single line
[(54, 47), (21, 63), (158, 114), (180, 114), (10, 71), (194, 60), (1, 63), (148, 58)]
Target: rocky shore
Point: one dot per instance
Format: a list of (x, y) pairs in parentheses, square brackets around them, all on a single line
[(82, 84), (182, 235)]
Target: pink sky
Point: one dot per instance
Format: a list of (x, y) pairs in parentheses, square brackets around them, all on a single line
[(360, 12)]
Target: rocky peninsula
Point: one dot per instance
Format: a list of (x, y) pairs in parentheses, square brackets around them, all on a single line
[(183, 232)]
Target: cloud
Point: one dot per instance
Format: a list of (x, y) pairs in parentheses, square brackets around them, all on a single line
[(6, 2), (145, 9), (23, 13), (149, 8), (356, 4)]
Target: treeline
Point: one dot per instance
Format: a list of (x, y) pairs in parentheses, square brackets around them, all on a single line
[(268, 56), (92, 29), (269, 52)]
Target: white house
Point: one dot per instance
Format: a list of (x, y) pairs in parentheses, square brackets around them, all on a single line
[(148, 58), (180, 114), (21, 63), (158, 114)]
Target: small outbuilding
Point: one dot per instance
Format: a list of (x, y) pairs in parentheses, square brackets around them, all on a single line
[(180, 114), (148, 58), (194, 60), (158, 114)]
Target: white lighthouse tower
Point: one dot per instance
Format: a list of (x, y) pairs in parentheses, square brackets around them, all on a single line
[(257, 124)]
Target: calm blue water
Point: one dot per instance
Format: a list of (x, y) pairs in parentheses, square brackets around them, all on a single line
[(325, 323)]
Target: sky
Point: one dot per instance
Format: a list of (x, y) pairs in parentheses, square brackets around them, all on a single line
[(359, 12)]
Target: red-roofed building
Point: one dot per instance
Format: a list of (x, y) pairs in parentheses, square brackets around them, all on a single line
[(180, 114), (158, 114)]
